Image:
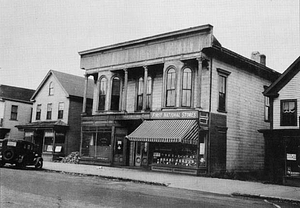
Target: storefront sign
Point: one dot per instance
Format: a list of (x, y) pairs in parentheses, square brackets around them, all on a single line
[(174, 115), (291, 157)]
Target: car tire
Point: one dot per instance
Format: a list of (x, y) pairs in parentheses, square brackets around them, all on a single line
[(8, 154), (39, 164)]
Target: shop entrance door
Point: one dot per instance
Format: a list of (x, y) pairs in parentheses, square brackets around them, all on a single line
[(120, 147), (141, 153)]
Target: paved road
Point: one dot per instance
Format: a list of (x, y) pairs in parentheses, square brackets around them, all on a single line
[(31, 188)]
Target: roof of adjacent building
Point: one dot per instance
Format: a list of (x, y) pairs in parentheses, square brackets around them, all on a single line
[(15, 93), (286, 76), (72, 84)]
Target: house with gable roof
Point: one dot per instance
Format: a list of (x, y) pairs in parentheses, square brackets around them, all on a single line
[(15, 109), (56, 115), (282, 139)]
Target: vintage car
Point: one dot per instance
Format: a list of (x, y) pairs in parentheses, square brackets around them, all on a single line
[(20, 152)]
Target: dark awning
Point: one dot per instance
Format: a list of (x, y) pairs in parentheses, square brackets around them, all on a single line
[(167, 131), (43, 125)]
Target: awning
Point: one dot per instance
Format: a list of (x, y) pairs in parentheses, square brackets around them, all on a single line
[(43, 125), (167, 131)]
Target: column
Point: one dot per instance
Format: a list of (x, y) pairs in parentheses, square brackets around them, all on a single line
[(86, 82), (145, 88), (199, 82), (124, 103)]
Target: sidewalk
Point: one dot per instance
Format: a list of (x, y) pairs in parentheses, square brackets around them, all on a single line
[(204, 184)]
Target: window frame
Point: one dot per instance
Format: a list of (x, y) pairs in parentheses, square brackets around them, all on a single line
[(14, 113), (267, 109), (190, 89), (140, 94), (112, 91), (38, 112), (60, 112), (49, 112), (222, 75), (102, 97), (172, 88), (293, 122)]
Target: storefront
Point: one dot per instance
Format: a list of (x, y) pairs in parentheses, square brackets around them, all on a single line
[(171, 141), (50, 138)]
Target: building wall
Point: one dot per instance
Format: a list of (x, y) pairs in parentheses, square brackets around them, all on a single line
[(44, 98), (23, 117), (289, 91), (245, 115)]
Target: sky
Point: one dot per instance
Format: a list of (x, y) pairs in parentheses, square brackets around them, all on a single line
[(36, 36)]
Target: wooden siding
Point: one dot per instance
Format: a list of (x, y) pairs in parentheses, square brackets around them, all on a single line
[(149, 51), (245, 115), (290, 91)]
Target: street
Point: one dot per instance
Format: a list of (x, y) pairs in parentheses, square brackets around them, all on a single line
[(31, 188)]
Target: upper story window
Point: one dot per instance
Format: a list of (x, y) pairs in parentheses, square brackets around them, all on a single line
[(102, 93), (38, 112), (61, 107), (222, 89), (267, 108), (51, 89), (115, 96), (170, 88), (140, 93), (288, 113), (186, 98), (14, 112), (49, 111)]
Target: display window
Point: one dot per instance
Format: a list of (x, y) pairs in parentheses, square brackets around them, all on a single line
[(292, 156)]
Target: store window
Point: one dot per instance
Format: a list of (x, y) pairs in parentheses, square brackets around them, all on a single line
[(288, 113), (292, 145), (59, 142), (222, 89), (51, 88), (48, 141), (267, 108), (49, 111), (102, 93), (14, 112), (115, 97), (186, 88), (61, 107), (170, 88), (38, 112)]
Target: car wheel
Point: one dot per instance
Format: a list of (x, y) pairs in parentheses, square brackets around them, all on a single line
[(8, 154), (39, 164)]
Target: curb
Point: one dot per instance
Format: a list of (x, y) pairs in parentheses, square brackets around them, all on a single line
[(108, 177), (258, 196)]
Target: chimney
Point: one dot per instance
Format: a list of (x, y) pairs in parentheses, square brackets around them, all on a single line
[(259, 58)]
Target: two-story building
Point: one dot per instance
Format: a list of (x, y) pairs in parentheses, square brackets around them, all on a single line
[(56, 116), (282, 138), (177, 102), (15, 109)]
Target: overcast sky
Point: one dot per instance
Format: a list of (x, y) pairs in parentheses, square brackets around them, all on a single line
[(36, 36)]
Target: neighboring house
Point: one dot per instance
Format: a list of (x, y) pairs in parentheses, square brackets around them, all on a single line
[(56, 117), (176, 102), (15, 109), (282, 138)]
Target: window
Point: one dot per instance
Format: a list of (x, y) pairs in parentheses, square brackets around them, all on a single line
[(149, 93), (102, 94), (267, 108), (170, 89), (140, 94), (288, 113), (14, 112), (61, 107), (186, 88), (38, 112), (222, 89), (49, 111), (51, 89), (115, 97)]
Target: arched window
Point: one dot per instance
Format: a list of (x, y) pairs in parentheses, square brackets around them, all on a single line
[(186, 88), (171, 88), (115, 96), (140, 93), (51, 89), (102, 93)]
